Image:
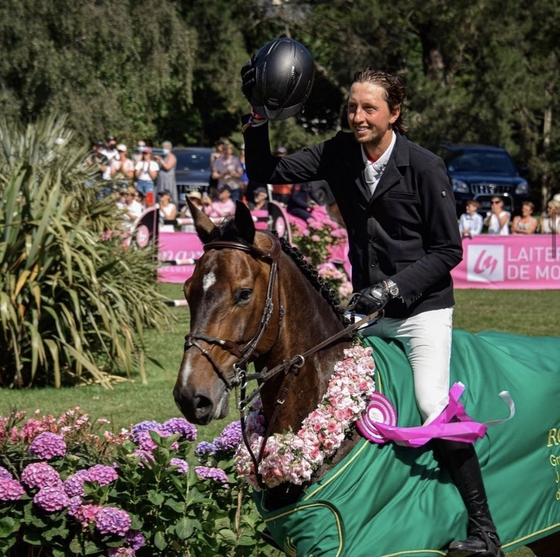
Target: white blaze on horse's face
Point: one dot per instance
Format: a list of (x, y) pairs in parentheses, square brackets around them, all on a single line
[(208, 280)]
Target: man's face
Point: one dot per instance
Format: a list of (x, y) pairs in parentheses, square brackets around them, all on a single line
[(369, 116)]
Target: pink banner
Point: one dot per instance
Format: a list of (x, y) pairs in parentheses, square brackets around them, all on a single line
[(510, 263), (179, 250)]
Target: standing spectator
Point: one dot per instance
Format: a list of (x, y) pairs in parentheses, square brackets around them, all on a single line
[(167, 211), (145, 172), (122, 168), (470, 223), (216, 154), (166, 176), (222, 207), (551, 222), (497, 220), (97, 160), (526, 223), (281, 192), (227, 170)]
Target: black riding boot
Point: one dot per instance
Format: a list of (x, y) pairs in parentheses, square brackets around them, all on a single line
[(461, 461)]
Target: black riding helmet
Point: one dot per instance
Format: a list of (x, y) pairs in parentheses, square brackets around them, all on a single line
[(284, 72)]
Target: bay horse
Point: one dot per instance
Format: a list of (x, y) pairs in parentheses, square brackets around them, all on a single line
[(254, 300)]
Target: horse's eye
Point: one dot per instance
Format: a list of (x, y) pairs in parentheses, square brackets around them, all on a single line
[(243, 295)]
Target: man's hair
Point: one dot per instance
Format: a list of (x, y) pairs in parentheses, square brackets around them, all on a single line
[(395, 91)]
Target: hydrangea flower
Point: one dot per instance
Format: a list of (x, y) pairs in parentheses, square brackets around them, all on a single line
[(210, 473), (5, 474), (135, 539), (84, 514), (10, 490), (182, 465), (148, 425), (47, 445), (51, 498), (74, 485), (205, 448), (111, 520), (230, 438), (181, 426), (101, 474), (40, 474)]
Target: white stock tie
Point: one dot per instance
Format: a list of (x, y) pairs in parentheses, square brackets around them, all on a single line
[(372, 174)]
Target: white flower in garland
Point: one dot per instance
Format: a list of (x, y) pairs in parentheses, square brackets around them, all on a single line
[(293, 457)]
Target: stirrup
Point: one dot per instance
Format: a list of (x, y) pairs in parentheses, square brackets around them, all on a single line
[(479, 544)]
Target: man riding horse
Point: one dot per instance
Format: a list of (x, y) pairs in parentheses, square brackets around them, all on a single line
[(398, 207)]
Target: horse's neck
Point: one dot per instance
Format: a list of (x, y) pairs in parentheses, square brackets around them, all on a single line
[(308, 321)]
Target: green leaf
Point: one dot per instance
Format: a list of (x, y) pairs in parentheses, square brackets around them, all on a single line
[(228, 536), (184, 528), (159, 541), (156, 498), (8, 526)]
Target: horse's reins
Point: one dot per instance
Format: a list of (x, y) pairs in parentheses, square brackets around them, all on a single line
[(245, 353)]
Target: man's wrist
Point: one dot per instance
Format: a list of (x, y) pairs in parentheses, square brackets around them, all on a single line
[(392, 288)]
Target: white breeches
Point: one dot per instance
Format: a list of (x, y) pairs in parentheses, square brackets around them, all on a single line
[(427, 343)]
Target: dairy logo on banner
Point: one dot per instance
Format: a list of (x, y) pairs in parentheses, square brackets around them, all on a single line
[(485, 263)]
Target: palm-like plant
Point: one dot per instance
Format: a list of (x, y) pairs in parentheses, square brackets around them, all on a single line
[(73, 300)]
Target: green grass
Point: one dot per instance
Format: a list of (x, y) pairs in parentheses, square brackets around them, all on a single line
[(521, 312)]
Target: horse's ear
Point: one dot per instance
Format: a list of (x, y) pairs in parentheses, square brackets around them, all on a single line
[(244, 222), (203, 225)]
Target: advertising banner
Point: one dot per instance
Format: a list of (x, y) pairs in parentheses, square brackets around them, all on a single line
[(510, 262), (177, 254)]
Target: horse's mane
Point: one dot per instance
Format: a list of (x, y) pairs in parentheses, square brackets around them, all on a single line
[(229, 232)]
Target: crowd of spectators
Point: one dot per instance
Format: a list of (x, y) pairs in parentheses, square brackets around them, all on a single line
[(498, 221)]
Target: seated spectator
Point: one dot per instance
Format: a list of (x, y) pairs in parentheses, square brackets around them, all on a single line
[(470, 223), (261, 200), (497, 220), (301, 202), (167, 211), (141, 199), (526, 223), (222, 207), (196, 200), (551, 222), (132, 209)]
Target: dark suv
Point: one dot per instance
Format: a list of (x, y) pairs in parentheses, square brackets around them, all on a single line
[(192, 172), (481, 172)]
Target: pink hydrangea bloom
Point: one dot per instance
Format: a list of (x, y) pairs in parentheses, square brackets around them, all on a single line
[(10, 490), (40, 474), (111, 520), (101, 474), (51, 498), (47, 445)]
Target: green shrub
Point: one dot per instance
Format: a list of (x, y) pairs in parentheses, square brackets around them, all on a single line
[(73, 300)]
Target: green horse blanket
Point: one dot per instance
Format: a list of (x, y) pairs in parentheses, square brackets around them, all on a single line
[(394, 501)]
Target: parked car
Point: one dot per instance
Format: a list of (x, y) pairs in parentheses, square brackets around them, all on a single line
[(481, 172), (192, 171)]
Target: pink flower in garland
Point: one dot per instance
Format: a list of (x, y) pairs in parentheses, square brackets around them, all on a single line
[(51, 498), (11, 490), (111, 520), (40, 474), (293, 458), (47, 445)]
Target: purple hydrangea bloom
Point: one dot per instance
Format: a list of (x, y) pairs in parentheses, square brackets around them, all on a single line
[(101, 474), (74, 485), (10, 490), (47, 445), (135, 539), (144, 426), (182, 465), (230, 438), (5, 474), (40, 474), (121, 552), (111, 520), (210, 473), (51, 498), (74, 505), (145, 442), (181, 426), (205, 448)]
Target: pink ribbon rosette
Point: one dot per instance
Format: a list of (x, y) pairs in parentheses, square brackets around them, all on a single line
[(379, 422)]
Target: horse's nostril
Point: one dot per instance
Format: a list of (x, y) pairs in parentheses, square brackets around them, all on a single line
[(203, 406)]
